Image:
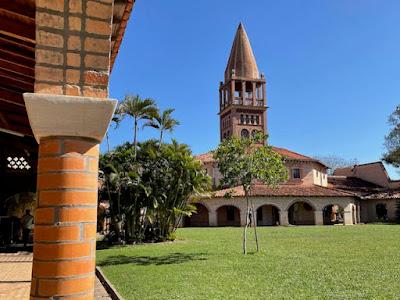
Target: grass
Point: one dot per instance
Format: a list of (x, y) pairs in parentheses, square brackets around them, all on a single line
[(315, 262)]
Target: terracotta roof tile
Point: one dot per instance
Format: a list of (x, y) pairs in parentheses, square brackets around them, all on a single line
[(386, 194), (285, 190), (352, 184), (205, 157), (241, 59), (288, 154)]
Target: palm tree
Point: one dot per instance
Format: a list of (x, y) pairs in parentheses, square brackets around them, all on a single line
[(163, 122), (138, 109)]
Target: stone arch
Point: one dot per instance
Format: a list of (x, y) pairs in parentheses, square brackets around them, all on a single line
[(314, 207), (244, 133), (198, 219), (381, 211), (333, 214), (204, 203), (228, 215), (301, 212), (267, 215)]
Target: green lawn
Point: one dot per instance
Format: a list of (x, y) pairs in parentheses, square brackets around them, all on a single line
[(315, 262)]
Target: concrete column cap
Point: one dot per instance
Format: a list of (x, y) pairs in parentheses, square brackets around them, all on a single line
[(74, 116)]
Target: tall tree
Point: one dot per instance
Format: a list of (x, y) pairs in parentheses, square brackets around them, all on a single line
[(242, 161), (392, 140), (138, 109), (163, 122)]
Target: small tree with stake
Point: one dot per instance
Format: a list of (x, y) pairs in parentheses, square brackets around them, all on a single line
[(242, 161)]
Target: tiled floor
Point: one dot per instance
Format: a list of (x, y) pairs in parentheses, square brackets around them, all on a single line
[(15, 276)]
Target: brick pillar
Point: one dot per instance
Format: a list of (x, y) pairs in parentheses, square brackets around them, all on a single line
[(69, 114), (65, 218), (73, 41), (254, 94), (231, 99)]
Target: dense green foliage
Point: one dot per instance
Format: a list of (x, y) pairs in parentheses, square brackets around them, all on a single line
[(392, 140), (150, 190), (243, 160), (148, 184), (310, 262)]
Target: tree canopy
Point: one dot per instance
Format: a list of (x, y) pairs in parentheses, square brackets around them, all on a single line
[(392, 140), (241, 161)]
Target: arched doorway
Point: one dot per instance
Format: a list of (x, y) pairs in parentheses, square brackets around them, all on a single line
[(267, 215), (301, 213), (228, 215), (198, 218), (381, 212), (333, 214)]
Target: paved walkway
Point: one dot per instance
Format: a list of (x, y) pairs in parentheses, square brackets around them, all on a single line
[(15, 277)]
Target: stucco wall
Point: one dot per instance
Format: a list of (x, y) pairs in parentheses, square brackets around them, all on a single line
[(368, 209), (310, 173), (283, 204)]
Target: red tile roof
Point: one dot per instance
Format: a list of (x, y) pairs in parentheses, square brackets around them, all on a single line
[(352, 184), (386, 194), (287, 154), (291, 154), (205, 157), (285, 190)]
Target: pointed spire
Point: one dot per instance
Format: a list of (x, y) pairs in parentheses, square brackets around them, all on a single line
[(241, 60)]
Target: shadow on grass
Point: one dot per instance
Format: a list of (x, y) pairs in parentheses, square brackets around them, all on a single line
[(173, 258)]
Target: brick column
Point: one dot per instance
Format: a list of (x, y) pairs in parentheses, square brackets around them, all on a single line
[(243, 92), (69, 114), (73, 41), (68, 130), (231, 99), (65, 218), (254, 93)]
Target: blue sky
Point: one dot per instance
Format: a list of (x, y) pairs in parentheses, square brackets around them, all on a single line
[(332, 69)]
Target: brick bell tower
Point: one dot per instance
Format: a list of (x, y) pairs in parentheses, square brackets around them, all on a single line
[(242, 97)]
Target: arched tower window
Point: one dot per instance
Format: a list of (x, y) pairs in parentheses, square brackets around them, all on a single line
[(244, 133)]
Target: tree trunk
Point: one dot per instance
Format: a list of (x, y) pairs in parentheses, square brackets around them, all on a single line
[(254, 224), (108, 142), (161, 137), (245, 226), (135, 137)]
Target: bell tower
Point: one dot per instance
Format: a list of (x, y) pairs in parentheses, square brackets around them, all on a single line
[(242, 96)]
